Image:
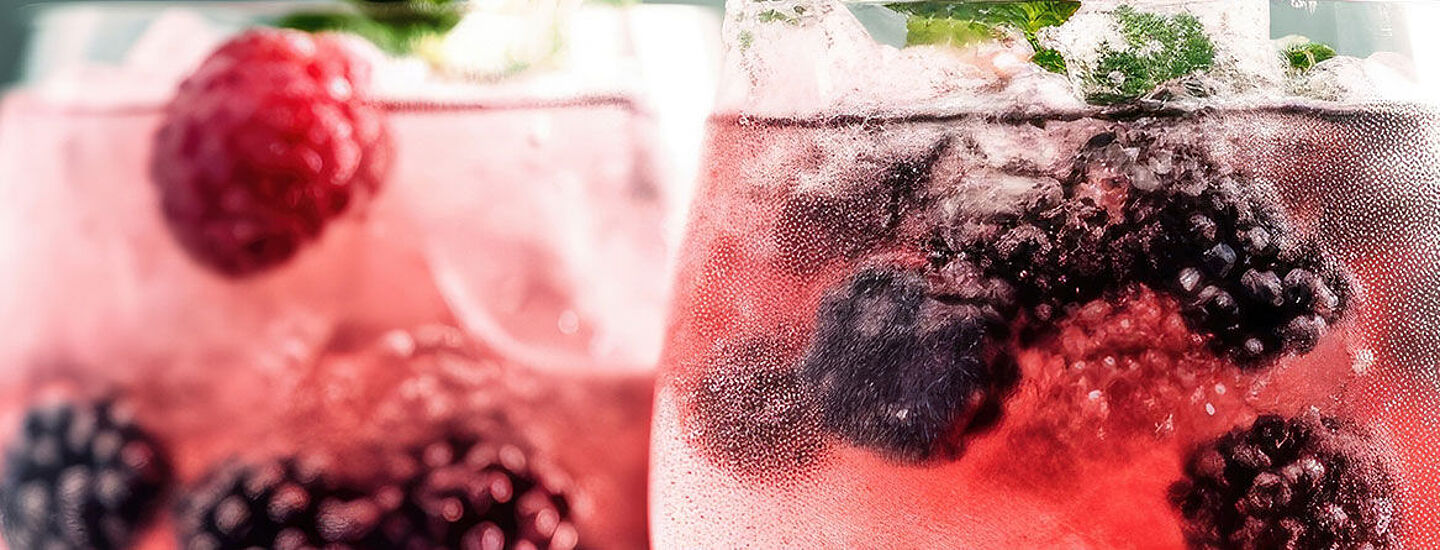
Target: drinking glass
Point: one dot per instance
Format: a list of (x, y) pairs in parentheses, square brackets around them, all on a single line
[(463, 356), (1059, 274)]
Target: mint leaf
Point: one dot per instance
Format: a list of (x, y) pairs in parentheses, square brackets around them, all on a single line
[(1157, 48), (964, 23), (1307, 54), (411, 16), (1027, 15), (1050, 60), (952, 32), (397, 27)]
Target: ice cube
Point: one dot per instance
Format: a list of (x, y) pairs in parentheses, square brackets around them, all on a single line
[(1381, 76), (168, 49), (1242, 62), (540, 222), (494, 42), (804, 58), (173, 45)]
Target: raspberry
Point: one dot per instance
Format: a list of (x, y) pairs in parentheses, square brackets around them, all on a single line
[(286, 503), (80, 477), (753, 414), (1306, 482), (908, 363), (465, 493), (1223, 246), (264, 144), (1128, 366)]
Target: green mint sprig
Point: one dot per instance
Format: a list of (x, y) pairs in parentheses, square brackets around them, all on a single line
[(1304, 55), (961, 24), (1157, 48), (398, 27)]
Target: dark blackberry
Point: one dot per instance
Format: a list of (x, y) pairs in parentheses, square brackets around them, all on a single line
[(752, 413), (816, 227), (1136, 210), (468, 494), (281, 504), (908, 363), (1224, 246), (1307, 482), (80, 477), (1057, 251)]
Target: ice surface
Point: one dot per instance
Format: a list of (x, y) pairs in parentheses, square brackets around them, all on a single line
[(816, 58), (1245, 66)]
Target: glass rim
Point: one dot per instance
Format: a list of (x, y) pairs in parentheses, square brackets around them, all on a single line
[(36, 10)]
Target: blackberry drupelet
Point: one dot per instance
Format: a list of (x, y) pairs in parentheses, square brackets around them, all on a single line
[(1224, 246), (753, 415), (281, 504), (1306, 482), (907, 362), (80, 476), (465, 493)]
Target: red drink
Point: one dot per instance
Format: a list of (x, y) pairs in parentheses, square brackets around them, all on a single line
[(918, 312)]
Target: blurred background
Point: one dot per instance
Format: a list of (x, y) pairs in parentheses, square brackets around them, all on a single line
[(12, 36)]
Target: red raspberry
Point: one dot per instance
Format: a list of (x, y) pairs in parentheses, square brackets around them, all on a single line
[(263, 145), (1128, 367)]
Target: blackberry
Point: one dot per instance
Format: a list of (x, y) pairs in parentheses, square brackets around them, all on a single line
[(468, 494), (1306, 482), (1223, 246), (753, 414), (1057, 251), (282, 504), (1136, 210), (80, 477), (907, 363), (817, 227)]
